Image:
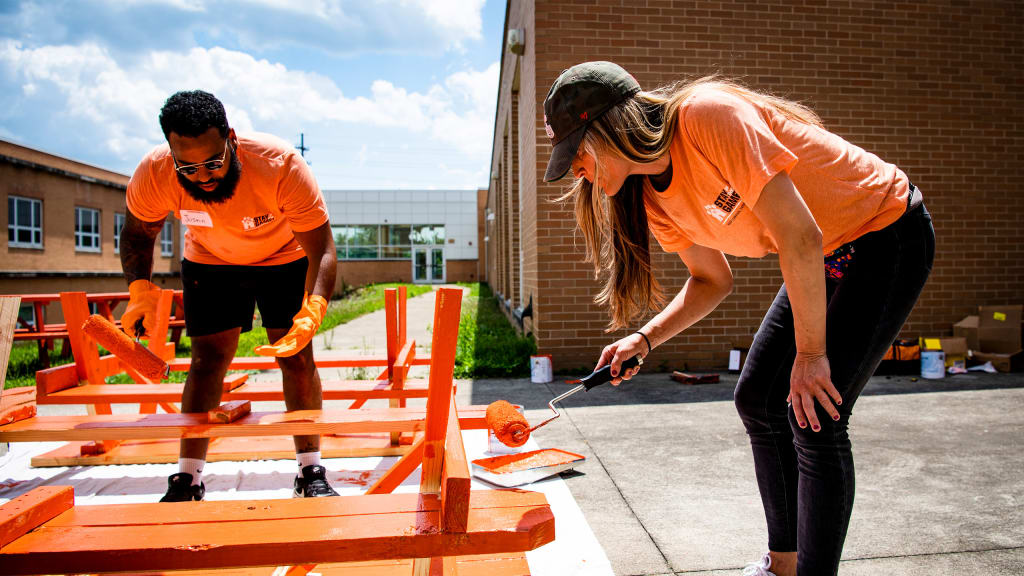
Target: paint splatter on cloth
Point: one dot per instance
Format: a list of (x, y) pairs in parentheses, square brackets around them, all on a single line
[(837, 261)]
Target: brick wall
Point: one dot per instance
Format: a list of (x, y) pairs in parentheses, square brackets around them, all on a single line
[(936, 87), (60, 194)]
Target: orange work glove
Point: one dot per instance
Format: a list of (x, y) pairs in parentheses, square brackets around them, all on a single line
[(304, 327), (143, 296)]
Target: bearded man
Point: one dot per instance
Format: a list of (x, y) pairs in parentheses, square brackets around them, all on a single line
[(258, 235)]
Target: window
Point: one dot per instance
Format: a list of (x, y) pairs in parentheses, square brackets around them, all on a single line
[(27, 316), (167, 239), (118, 225), (383, 242), (87, 230), (24, 222)]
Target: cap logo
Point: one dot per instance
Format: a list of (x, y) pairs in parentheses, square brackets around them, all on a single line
[(584, 115), (547, 128)]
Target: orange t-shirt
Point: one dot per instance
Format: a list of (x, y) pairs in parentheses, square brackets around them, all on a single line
[(276, 196), (726, 149)]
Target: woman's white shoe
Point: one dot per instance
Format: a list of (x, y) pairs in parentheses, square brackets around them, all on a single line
[(759, 568)]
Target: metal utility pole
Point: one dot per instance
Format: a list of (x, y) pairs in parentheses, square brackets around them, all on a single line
[(302, 146)]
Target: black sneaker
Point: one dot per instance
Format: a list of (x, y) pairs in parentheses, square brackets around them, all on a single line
[(312, 483), (180, 489)]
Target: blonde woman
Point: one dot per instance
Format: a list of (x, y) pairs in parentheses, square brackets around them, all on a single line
[(712, 168)]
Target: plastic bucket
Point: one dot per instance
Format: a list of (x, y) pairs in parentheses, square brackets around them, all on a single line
[(933, 364), (541, 371)]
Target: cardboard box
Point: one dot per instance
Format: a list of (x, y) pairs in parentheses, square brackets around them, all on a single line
[(999, 337), (968, 329)]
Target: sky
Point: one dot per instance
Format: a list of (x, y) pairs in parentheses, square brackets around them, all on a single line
[(390, 94)]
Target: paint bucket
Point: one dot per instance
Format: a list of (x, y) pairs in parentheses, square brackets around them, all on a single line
[(496, 446), (541, 371), (933, 364)]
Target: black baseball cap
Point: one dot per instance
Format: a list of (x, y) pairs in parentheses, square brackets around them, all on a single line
[(577, 98)]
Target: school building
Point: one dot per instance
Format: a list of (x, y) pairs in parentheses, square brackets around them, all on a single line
[(64, 221), (934, 87)]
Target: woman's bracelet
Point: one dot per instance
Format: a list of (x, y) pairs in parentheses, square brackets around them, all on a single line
[(649, 347)]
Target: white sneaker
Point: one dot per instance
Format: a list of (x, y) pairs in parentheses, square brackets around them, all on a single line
[(759, 568)]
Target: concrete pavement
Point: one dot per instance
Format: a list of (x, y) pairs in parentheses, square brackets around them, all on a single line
[(669, 488)]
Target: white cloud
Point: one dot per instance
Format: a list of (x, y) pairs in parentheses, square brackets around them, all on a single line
[(119, 102), (333, 26)]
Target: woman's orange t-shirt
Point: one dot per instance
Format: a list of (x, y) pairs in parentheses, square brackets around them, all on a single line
[(276, 196), (727, 148)]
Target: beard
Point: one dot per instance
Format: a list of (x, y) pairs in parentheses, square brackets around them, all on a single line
[(225, 186)]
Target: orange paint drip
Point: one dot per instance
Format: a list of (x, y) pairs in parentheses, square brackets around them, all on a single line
[(121, 345), (526, 460), (510, 427)]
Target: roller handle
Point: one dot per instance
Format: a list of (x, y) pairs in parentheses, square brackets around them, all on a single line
[(603, 375)]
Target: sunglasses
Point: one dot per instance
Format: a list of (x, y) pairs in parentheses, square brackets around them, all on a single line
[(211, 165)]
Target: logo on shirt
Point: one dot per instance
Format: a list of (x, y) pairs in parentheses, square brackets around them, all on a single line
[(726, 206), (252, 223)]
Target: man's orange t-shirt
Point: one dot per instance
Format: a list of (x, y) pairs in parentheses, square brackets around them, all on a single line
[(726, 149), (276, 196)]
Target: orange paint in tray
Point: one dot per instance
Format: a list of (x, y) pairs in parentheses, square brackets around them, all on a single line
[(518, 469)]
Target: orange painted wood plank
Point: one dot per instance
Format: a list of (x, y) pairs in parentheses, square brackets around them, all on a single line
[(254, 391), (402, 323), (232, 381), (323, 360), (54, 379), (194, 545), (29, 511), (447, 307), (229, 412), (138, 426), (399, 471), (165, 451), (391, 328), (97, 447), (87, 357), (399, 372), (455, 480), (168, 513), (17, 404)]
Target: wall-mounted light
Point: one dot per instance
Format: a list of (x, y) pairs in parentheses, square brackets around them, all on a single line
[(516, 41)]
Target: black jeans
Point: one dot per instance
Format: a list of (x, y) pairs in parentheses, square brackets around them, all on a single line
[(806, 478)]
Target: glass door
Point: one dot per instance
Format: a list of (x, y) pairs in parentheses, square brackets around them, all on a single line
[(428, 264)]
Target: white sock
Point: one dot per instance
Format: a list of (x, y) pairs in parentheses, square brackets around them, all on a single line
[(307, 459), (193, 466)]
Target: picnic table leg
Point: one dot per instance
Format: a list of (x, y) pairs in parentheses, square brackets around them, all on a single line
[(44, 352)]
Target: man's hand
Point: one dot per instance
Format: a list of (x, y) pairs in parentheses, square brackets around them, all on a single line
[(810, 381), (139, 318), (304, 327)]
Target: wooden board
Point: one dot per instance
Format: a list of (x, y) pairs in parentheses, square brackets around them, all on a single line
[(323, 360), (165, 451), (197, 535), (9, 306), (28, 511), (254, 391)]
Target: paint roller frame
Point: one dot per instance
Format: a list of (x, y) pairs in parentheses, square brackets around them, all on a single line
[(600, 376)]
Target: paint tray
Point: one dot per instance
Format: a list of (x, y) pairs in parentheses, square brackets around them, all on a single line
[(525, 467)]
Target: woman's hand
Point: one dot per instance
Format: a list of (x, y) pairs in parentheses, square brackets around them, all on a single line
[(811, 380), (618, 352)]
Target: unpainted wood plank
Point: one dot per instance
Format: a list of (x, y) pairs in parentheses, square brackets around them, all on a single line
[(299, 422), (455, 479), (9, 306), (229, 412), (28, 511)]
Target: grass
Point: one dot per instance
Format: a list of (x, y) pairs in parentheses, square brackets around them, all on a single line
[(489, 347), (24, 361)]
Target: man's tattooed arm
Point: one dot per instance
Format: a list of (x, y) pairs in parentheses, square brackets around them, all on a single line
[(137, 241)]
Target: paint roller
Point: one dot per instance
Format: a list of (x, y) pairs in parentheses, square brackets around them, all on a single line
[(129, 351), (511, 428)]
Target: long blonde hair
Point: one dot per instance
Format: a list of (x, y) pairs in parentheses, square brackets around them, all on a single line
[(614, 228)]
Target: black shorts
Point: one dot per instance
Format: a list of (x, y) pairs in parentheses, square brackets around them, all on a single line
[(220, 297)]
